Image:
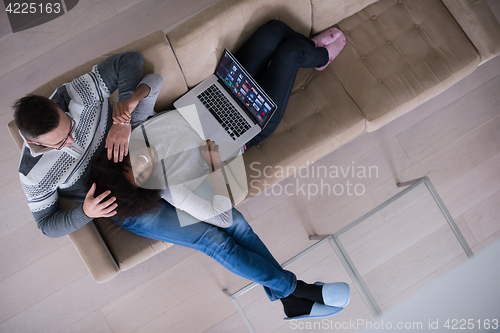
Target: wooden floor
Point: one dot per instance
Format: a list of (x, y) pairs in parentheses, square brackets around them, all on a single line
[(45, 287)]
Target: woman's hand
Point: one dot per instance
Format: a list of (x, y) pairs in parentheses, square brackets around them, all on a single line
[(210, 153), (122, 111)]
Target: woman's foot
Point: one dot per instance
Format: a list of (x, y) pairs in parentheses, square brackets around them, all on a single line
[(335, 294), (308, 291), (300, 308), (326, 37), (333, 50), (294, 306)]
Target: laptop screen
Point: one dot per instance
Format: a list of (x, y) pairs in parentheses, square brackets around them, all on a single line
[(245, 89)]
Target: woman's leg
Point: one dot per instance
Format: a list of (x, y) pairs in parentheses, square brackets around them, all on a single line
[(244, 235), (273, 56), (220, 245), (278, 79), (260, 48)]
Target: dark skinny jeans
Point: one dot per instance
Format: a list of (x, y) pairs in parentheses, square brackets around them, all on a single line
[(273, 56)]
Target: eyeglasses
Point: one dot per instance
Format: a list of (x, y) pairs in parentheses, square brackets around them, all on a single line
[(61, 143)]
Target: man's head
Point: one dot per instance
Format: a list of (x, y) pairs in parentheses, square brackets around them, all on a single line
[(42, 122)]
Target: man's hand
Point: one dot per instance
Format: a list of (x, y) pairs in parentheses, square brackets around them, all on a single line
[(117, 141), (122, 111), (92, 207)]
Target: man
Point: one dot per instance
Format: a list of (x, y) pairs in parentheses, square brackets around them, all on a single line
[(64, 133)]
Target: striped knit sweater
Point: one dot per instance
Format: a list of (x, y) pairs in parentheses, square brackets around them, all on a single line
[(47, 173)]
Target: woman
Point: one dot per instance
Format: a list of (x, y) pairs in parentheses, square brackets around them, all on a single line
[(169, 158)]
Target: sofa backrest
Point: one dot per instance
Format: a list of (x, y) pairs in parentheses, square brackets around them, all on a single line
[(158, 58), (328, 12), (198, 43)]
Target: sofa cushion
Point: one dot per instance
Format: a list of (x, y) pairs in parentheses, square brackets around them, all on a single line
[(128, 249), (400, 54), (319, 118), (326, 13), (158, 58), (198, 43)]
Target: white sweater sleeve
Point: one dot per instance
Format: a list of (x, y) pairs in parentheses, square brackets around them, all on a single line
[(201, 203)]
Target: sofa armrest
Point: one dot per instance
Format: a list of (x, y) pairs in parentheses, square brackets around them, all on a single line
[(94, 253), (14, 132), (479, 24), (92, 248)]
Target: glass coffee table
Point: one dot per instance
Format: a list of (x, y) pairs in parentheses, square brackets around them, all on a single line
[(387, 254)]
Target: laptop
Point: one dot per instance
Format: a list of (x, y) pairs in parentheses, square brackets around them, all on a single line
[(228, 107)]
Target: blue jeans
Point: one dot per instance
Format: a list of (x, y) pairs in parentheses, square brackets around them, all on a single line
[(273, 56), (237, 248)]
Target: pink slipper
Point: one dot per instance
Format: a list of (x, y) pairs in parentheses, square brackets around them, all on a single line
[(326, 37), (333, 50)]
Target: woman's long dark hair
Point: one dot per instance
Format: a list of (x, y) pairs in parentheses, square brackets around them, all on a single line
[(131, 200)]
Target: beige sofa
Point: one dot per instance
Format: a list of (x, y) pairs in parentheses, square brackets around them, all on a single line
[(399, 54)]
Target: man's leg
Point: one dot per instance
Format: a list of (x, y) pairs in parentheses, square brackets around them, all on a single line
[(216, 243), (122, 71)]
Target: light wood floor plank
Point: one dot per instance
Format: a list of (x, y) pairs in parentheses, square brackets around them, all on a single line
[(451, 161), (233, 323), (5, 137), (396, 235), (22, 248), (472, 187), (483, 219), (122, 5), (26, 45), (465, 230), (180, 318), (412, 265), (84, 296), (5, 28), (39, 280), (116, 32), (178, 283), (437, 131), (9, 177), (14, 212), (93, 323), (487, 242)]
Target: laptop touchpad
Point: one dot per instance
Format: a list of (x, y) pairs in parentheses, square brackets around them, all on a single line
[(208, 125)]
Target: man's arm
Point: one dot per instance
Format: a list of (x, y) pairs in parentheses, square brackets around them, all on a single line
[(54, 222), (137, 96), (121, 71)]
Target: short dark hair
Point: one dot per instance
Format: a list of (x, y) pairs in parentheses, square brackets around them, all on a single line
[(131, 200), (35, 115)]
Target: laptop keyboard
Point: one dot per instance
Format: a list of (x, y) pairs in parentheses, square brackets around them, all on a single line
[(227, 115)]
